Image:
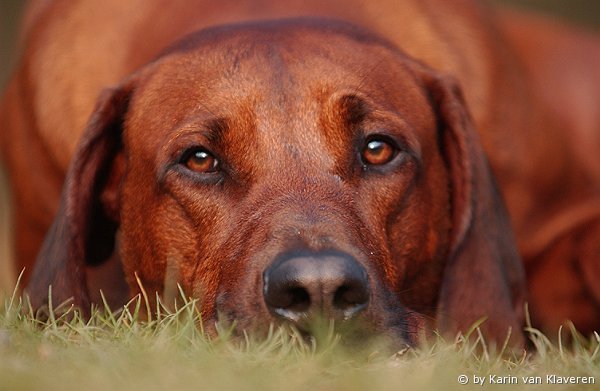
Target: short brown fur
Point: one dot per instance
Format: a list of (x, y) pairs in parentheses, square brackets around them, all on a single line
[(283, 99)]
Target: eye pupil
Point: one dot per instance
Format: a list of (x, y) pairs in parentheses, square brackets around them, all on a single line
[(378, 152), (201, 161)]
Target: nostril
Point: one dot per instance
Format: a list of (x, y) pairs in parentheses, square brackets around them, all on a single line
[(345, 297), (351, 298), (299, 299), (288, 302)]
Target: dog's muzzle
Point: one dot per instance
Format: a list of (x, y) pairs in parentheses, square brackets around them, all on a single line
[(300, 287)]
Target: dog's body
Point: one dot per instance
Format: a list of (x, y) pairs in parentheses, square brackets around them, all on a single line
[(439, 242)]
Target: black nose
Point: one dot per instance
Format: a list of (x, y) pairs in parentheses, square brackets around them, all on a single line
[(299, 287)]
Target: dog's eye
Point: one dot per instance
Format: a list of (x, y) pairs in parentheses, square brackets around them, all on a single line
[(199, 160), (378, 151)]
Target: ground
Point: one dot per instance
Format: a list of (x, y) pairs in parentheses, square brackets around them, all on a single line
[(171, 352)]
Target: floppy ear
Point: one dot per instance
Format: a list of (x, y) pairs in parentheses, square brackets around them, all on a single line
[(83, 232), (484, 275), (589, 256)]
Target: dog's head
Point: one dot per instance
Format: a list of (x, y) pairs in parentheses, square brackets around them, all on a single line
[(284, 171)]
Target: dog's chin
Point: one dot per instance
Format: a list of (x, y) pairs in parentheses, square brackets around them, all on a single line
[(382, 332)]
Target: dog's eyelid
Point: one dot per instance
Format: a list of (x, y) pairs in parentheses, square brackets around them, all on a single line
[(184, 140), (194, 178)]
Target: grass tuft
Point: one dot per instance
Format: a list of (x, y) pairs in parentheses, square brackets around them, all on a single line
[(169, 349)]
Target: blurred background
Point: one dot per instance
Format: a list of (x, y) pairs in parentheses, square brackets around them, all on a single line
[(582, 12), (585, 13)]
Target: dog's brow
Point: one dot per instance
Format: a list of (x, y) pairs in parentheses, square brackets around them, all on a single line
[(213, 128), (216, 128), (354, 108), (349, 108), (196, 128)]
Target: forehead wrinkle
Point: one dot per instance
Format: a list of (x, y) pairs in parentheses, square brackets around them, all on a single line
[(289, 133), (285, 126), (254, 65)]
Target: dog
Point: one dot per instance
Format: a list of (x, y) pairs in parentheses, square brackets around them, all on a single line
[(398, 164)]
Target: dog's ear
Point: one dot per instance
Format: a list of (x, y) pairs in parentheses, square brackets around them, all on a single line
[(84, 230), (484, 276)]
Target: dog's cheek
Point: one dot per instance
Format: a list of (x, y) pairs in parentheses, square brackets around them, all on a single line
[(141, 263), (419, 237), (178, 247), (158, 244)]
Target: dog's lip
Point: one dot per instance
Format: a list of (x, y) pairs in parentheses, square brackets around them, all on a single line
[(300, 317)]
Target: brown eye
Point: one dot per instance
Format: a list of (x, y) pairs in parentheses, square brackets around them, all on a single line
[(377, 152), (199, 160)]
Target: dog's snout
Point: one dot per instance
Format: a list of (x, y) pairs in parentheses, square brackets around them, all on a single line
[(301, 287)]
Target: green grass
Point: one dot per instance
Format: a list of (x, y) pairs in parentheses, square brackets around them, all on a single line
[(171, 352)]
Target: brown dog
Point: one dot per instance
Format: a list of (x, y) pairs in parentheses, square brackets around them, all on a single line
[(284, 164)]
